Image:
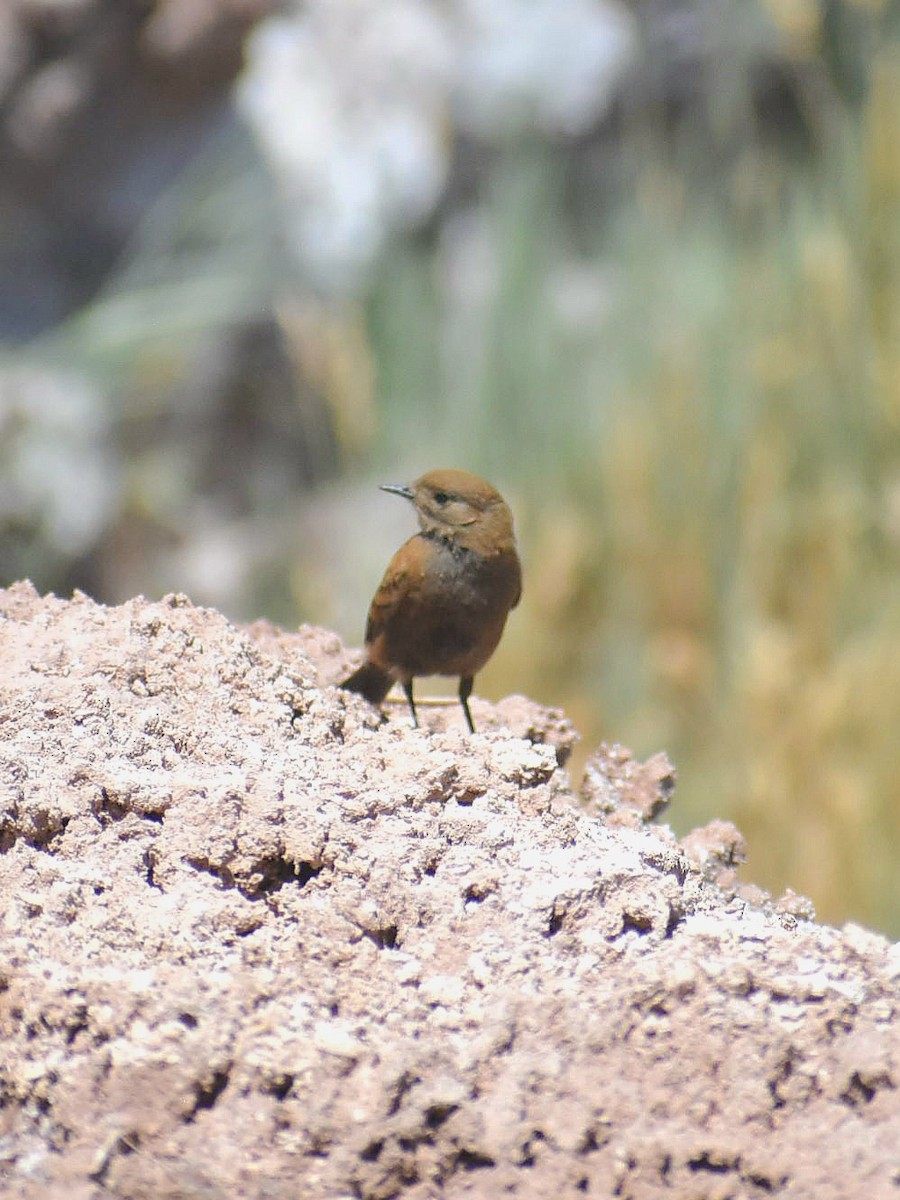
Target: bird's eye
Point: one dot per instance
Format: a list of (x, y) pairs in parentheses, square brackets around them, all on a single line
[(441, 497)]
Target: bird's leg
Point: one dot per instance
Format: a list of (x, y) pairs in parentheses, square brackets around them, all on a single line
[(465, 691), (408, 688)]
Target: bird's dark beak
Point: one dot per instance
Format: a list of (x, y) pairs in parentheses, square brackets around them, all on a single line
[(398, 489)]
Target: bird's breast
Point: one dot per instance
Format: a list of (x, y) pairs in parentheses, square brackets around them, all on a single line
[(471, 581), (452, 613)]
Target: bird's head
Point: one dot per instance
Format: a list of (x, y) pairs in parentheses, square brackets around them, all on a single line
[(459, 507)]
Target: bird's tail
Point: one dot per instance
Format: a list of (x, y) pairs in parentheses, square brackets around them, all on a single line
[(370, 681)]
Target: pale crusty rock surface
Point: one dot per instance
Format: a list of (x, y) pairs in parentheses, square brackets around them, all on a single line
[(257, 944)]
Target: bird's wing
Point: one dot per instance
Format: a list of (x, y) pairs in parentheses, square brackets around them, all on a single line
[(406, 567)]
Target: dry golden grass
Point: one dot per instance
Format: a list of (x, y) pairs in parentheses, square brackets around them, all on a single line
[(706, 470)]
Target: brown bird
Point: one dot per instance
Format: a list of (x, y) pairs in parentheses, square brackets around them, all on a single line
[(442, 604)]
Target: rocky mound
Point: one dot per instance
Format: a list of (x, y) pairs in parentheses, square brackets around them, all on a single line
[(256, 943)]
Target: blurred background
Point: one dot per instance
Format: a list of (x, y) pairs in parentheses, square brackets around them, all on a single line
[(635, 261)]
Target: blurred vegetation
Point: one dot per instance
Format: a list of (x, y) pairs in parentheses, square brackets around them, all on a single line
[(674, 344), (693, 392)]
